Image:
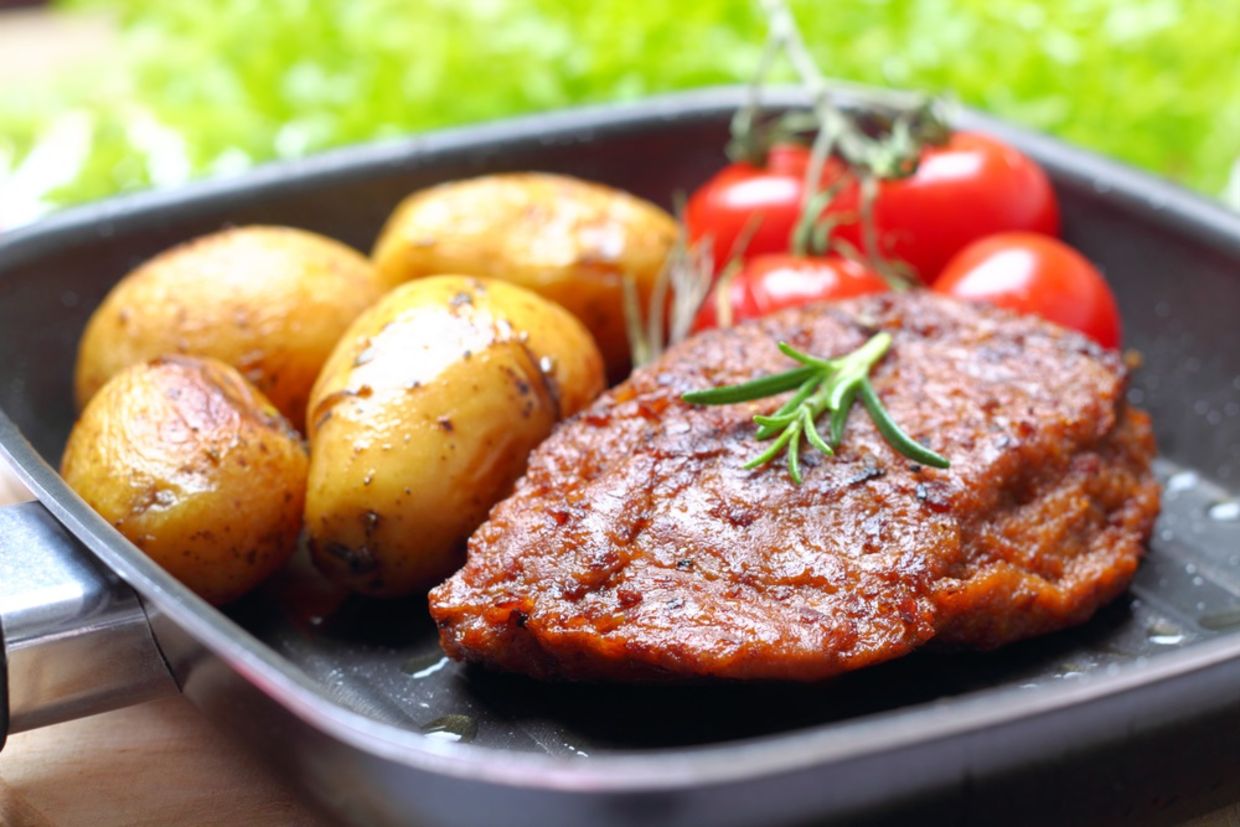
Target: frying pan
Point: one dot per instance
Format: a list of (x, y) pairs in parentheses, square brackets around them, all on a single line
[(1131, 718)]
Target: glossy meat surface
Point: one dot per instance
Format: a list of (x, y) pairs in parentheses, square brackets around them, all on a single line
[(637, 548)]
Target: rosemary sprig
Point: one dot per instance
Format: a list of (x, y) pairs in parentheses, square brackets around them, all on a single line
[(821, 385), (678, 291)]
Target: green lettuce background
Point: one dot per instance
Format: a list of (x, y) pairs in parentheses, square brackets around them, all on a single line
[(216, 85)]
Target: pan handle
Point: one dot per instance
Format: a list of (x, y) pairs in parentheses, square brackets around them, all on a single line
[(74, 638)]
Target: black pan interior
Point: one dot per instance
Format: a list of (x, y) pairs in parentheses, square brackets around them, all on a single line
[(1180, 297)]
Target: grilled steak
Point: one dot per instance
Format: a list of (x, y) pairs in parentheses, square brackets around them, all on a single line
[(637, 548)]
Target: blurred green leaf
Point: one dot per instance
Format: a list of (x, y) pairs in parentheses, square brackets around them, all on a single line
[(233, 82)]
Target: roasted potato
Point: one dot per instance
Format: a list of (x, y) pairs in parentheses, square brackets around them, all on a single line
[(568, 240), (423, 418), (192, 464), (270, 301)]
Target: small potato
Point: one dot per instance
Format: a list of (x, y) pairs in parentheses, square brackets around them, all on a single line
[(423, 418), (270, 301), (196, 468), (568, 240)]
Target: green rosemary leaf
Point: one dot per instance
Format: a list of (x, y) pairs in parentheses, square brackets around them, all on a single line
[(770, 453), (807, 387), (804, 358), (794, 450), (774, 422), (755, 389), (839, 416), (892, 432), (811, 433)]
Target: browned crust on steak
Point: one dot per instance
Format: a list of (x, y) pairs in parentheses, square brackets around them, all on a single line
[(637, 548)]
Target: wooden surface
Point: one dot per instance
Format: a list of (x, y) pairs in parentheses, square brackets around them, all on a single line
[(157, 764), (35, 42)]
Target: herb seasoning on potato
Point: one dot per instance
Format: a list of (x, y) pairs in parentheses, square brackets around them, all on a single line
[(270, 301), (191, 463), (568, 240), (423, 418)]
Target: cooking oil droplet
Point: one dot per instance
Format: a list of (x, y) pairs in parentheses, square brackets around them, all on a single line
[(432, 669), (452, 728), (1114, 650), (1162, 633), (419, 666), (1181, 481), (1225, 511), (1070, 669), (1221, 621)]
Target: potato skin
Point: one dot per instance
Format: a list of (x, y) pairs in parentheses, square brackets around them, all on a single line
[(192, 464), (568, 240), (423, 418), (270, 301)]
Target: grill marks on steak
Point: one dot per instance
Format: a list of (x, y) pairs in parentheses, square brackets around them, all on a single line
[(637, 548)]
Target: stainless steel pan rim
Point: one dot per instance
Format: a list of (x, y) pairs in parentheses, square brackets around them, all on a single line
[(673, 768)]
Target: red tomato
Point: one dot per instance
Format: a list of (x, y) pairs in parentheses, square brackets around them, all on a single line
[(971, 187), (1031, 273), (741, 193), (772, 282)]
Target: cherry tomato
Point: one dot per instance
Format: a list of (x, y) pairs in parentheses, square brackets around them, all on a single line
[(1035, 274), (968, 188), (772, 282), (768, 197)]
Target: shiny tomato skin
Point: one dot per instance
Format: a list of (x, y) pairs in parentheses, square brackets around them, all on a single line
[(1031, 273), (968, 188), (772, 282), (742, 193)]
